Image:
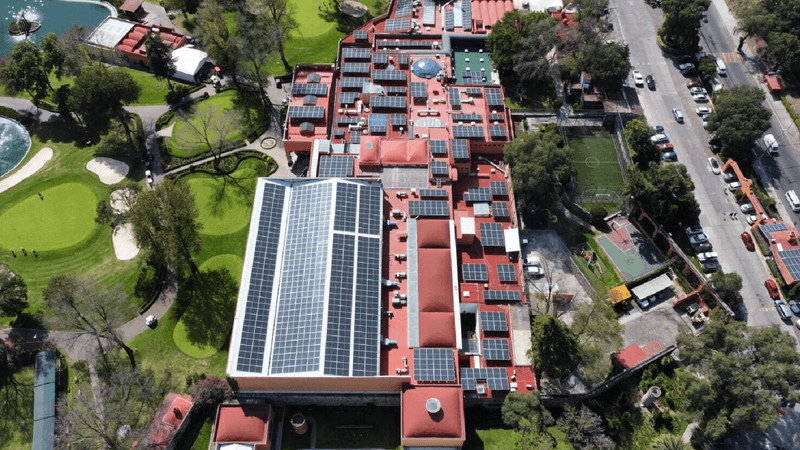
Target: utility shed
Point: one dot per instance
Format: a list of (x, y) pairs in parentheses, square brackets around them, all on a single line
[(652, 287)]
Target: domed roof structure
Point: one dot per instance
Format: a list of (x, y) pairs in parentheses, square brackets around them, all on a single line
[(425, 68)]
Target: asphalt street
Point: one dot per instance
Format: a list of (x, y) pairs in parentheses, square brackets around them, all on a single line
[(638, 23)]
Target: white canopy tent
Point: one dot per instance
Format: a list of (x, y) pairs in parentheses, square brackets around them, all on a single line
[(188, 62)]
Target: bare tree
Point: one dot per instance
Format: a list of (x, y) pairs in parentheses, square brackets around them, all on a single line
[(208, 126), (15, 397), (81, 304), (546, 289), (255, 44), (277, 15)]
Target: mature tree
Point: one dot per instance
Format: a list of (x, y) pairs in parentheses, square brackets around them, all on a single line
[(638, 136), (212, 30), (81, 304), (118, 142), (668, 442), (74, 51), (664, 192), (756, 20), (682, 20), (128, 398), (547, 295), (16, 396), (506, 40), (52, 56), (254, 45), (13, 294), (165, 222), (728, 287), (210, 392), (531, 64), (743, 375), (524, 412), (584, 428), (599, 334), (25, 71), (555, 350), (609, 63), (207, 127), (707, 68), (540, 168), (738, 119), (206, 303), (784, 48), (159, 58), (98, 91), (277, 16)]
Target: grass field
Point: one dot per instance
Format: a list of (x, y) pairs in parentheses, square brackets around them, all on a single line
[(182, 342), (233, 263), (596, 162), (223, 206), (184, 141), (61, 218)]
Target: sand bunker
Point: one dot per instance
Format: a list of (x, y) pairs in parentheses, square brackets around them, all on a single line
[(120, 200), (31, 167), (124, 243), (109, 170)]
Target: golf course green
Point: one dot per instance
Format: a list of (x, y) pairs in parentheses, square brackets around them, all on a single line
[(223, 206), (62, 217), (227, 261)]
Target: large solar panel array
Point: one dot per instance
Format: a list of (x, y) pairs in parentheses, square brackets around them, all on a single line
[(496, 350), (506, 272), (494, 321), (439, 168), (477, 195), (455, 98), (355, 67), (398, 24), (508, 296), (360, 35), (306, 112), (498, 188), (474, 91), (475, 272), (418, 90), (353, 82), (428, 208), (399, 120), (259, 292), (434, 364), (791, 258), (497, 131), (366, 330), (467, 118), (380, 58), (492, 235), (449, 20), (377, 101), (438, 148), (466, 15), (317, 89), (493, 97), (460, 149), (348, 97), (500, 209), (395, 90), (356, 53), (403, 9), (345, 121), (429, 13), (389, 75), (335, 166), (463, 131), (395, 43), (340, 299), (496, 378), (377, 123), (433, 193), (471, 77)]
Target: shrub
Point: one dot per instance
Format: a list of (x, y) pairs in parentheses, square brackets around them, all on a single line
[(210, 392), (597, 214)]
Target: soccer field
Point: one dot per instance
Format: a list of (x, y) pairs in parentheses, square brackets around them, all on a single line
[(596, 160)]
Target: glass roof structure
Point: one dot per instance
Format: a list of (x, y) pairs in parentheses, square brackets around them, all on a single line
[(309, 301), (425, 68)]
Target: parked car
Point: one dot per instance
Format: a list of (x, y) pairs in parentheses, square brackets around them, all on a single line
[(711, 266), (658, 128), (783, 309), (702, 247), (705, 17), (747, 208), (705, 122), (701, 98), (669, 156), (707, 256), (666, 147), (693, 83), (795, 309), (715, 167), (771, 143), (638, 79), (687, 68), (651, 82), (714, 143), (734, 186), (659, 138), (748, 241), (698, 239), (698, 90), (751, 219), (694, 229), (677, 114), (772, 288), (703, 110), (729, 177), (645, 302)]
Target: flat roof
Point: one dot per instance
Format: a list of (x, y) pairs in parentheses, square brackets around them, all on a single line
[(309, 300), (110, 32)]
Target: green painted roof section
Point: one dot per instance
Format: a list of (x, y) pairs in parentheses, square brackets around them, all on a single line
[(44, 400)]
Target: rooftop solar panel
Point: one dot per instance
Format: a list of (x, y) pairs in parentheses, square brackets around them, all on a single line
[(496, 118), (493, 97), (371, 200), (477, 195), (353, 82), (494, 321), (500, 209), (403, 8), (474, 91), (433, 193), (395, 90), (467, 118), (360, 35), (455, 98), (429, 13), (319, 90), (366, 329), (471, 77), (468, 132), (345, 121), (306, 112), (466, 15), (428, 208), (335, 166), (439, 168), (791, 259), (398, 24), (355, 136), (380, 58), (496, 350), (475, 272), (355, 67), (496, 378), (398, 120), (469, 346), (377, 123), (508, 296), (460, 149), (348, 97), (507, 272), (492, 235), (449, 20), (772, 227), (498, 188), (389, 75), (438, 148), (402, 58), (497, 131), (377, 101), (338, 132), (356, 53), (434, 364), (418, 90), (399, 43), (340, 304)]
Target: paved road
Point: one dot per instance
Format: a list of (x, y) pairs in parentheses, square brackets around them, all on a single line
[(638, 24)]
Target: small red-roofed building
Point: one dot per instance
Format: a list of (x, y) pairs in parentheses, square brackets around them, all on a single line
[(169, 417), (432, 417), (243, 426), (132, 7), (632, 355), (783, 240)]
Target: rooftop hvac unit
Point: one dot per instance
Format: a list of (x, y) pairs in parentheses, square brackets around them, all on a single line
[(400, 275), (481, 389), (400, 256), (401, 296), (397, 213), (402, 194)]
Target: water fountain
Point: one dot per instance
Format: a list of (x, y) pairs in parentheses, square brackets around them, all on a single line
[(14, 144)]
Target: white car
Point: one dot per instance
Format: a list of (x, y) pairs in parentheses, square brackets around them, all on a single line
[(715, 168), (734, 186), (705, 122), (659, 138), (771, 143), (638, 79), (678, 114), (707, 256), (703, 110), (747, 208), (751, 219), (700, 97), (697, 90)]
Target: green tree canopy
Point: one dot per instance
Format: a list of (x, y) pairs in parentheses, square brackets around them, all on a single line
[(784, 48), (599, 334), (212, 30), (728, 287), (13, 294), (584, 428), (609, 63), (277, 16), (524, 412), (638, 134), (159, 57), (738, 119), (98, 91), (25, 71), (540, 168), (505, 40), (743, 373), (707, 67), (555, 350), (682, 20), (664, 192)]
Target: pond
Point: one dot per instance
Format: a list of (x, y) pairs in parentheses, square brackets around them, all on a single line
[(14, 144), (55, 16)]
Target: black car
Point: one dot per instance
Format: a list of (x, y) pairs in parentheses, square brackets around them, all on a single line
[(711, 266), (715, 143), (651, 82)]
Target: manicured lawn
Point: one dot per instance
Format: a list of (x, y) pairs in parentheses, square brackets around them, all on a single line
[(223, 207), (190, 349), (233, 263), (204, 437), (61, 218), (22, 440), (602, 275), (496, 438), (184, 142)]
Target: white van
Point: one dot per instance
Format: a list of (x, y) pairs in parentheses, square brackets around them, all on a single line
[(771, 143), (793, 201), (722, 69)]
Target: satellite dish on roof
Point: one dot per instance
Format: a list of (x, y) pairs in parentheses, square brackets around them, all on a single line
[(433, 405)]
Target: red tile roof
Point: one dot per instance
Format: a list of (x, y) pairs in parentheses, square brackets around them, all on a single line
[(418, 425), (130, 6), (632, 355), (437, 329), (435, 280), (433, 233), (406, 152), (243, 424)]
